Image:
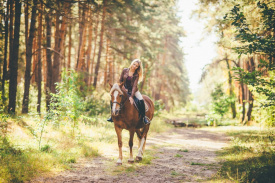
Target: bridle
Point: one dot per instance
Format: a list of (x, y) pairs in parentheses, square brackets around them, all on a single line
[(121, 104)]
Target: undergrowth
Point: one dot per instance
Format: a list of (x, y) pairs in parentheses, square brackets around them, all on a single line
[(250, 156), (26, 151)]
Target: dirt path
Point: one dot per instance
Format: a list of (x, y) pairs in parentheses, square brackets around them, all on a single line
[(180, 155)]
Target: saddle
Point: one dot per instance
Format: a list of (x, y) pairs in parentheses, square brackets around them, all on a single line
[(137, 104)]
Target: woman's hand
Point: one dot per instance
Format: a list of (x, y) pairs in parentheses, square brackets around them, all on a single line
[(131, 100), (124, 89)]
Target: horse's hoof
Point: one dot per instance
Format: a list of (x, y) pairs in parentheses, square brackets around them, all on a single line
[(138, 158), (131, 161), (118, 164)]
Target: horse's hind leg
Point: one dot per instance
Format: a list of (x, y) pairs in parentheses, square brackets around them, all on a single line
[(132, 132), (143, 148), (140, 149), (142, 143), (119, 140), (139, 136)]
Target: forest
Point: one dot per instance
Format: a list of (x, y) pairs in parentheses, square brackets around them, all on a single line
[(58, 57)]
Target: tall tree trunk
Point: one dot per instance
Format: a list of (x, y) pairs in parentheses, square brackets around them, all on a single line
[(250, 106), (59, 44), (89, 50), (242, 101), (82, 65), (113, 69), (100, 43), (70, 42), (13, 66), (231, 93), (25, 106), (106, 71), (56, 58), (81, 45), (4, 78), (11, 31), (49, 81), (110, 63), (39, 61), (63, 31), (251, 68), (26, 22), (34, 60), (95, 46)]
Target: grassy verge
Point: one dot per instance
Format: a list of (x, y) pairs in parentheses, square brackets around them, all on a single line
[(25, 152), (250, 156)]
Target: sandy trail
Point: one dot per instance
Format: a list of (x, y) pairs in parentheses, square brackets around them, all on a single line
[(181, 155)]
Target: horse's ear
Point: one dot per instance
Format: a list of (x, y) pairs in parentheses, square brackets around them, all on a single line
[(110, 85)]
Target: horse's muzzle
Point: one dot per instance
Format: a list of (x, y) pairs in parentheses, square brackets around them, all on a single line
[(116, 112)]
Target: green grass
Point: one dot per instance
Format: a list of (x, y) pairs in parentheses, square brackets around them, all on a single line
[(174, 173), (158, 125), (178, 155), (15, 164), (148, 157), (250, 156), (130, 169), (183, 150), (201, 164), (21, 157)]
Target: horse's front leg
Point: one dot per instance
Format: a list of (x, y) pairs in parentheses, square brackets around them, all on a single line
[(119, 140), (132, 132)]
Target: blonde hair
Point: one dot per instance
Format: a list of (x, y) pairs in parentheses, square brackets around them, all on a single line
[(139, 70)]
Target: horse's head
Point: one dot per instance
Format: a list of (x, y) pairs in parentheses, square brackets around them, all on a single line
[(118, 98)]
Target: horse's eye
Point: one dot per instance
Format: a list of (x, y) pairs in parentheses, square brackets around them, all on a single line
[(121, 96)]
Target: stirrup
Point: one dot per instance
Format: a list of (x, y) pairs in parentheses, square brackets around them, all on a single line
[(146, 120), (110, 119)]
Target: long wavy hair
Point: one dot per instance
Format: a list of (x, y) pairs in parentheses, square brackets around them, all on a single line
[(139, 70)]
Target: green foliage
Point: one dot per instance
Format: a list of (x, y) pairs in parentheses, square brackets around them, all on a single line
[(255, 41), (191, 107), (258, 40), (71, 160), (67, 102), (219, 106), (265, 103), (46, 148), (3, 125), (261, 84), (95, 105), (74, 99), (159, 106)]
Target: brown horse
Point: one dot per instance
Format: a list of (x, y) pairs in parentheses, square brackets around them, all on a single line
[(126, 116)]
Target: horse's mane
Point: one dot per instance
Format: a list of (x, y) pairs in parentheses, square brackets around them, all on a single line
[(116, 87)]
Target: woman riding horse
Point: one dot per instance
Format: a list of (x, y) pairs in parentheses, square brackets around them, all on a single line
[(131, 77)]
